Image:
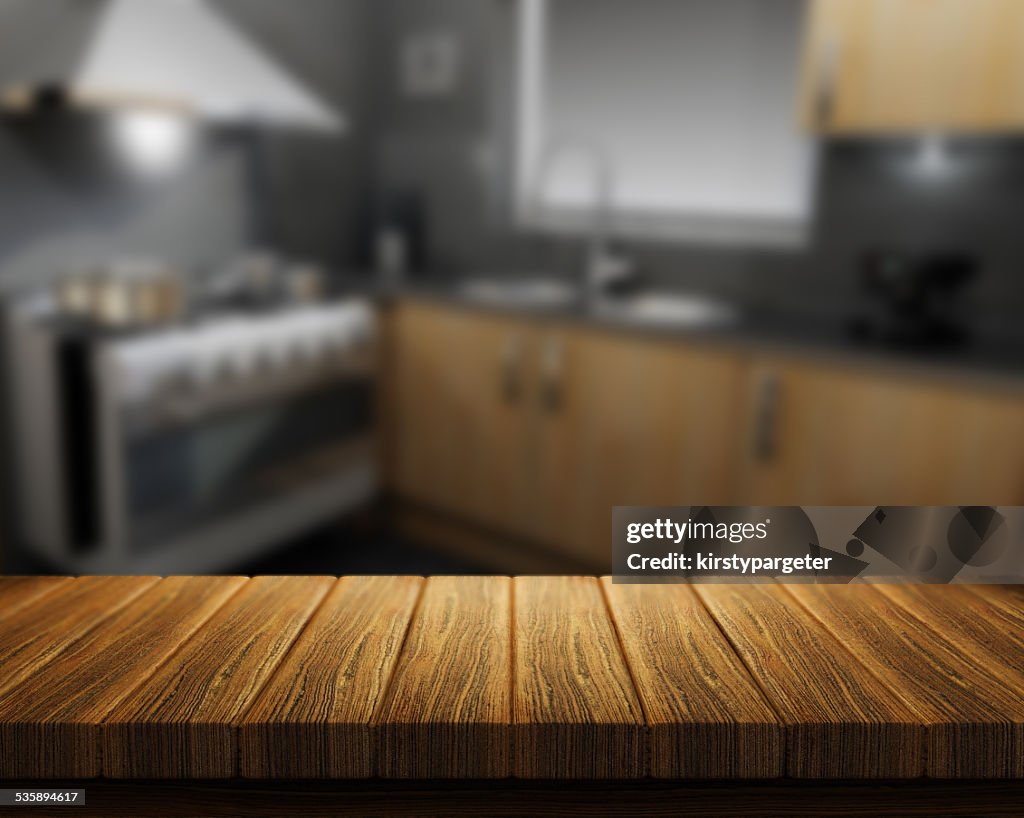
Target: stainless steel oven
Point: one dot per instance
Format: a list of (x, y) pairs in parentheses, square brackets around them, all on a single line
[(195, 448)]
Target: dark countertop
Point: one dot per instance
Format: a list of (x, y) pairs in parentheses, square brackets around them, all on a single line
[(993, 362)]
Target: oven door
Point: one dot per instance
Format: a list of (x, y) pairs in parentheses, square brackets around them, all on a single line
[(185, 477)]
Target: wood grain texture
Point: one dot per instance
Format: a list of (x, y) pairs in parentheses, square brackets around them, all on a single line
[(180, 722), (314, 718), (575, 709), (447, 711), (707, 717), (50, 724), (974, 721), (841, 722), (1004, 605), (537, 677), (17, 592), (982, 631), (40, 632)]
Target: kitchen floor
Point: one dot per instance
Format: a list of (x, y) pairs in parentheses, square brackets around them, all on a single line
[(347, 549), (331, 551)]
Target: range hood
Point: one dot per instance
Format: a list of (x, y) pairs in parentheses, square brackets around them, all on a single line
[(181, 55)]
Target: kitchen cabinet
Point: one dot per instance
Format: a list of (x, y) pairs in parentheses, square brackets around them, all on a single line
[(877, 66), (461, 435), (820, 435), (631, 421), (538, 429)]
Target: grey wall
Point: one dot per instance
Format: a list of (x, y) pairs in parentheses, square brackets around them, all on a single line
[(453, 151), (50, 223), (55, 217), (319, 185)]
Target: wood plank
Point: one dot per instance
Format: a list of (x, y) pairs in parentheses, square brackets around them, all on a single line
[(1005, 603), (17, 592), (707, 717), (50, 724), (447, 712), (974, 723), (841, 722), (314, 718), (180, 722), (40, 632), (983, 632), (538, 677), (576, 711)]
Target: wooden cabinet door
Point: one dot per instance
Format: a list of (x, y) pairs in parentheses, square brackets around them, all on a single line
[(979, 47), (629, 421), (846, 437), (914, 65), (460, 425), (784, 420)]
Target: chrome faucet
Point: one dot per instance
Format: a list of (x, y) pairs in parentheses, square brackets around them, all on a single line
[(601, 266)]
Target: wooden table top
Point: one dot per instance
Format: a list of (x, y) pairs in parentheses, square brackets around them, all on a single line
[(492, 677)]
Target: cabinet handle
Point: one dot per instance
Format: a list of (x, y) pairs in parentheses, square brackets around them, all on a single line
[(766, 422), (551, 372), (511, 366), (825, 98)]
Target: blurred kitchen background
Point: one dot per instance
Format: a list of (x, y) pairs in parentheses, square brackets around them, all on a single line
[(426, 286)]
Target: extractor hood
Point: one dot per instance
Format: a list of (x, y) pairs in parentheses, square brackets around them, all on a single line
[(180, 55)]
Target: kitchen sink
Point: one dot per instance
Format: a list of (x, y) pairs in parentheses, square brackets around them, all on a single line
[(669, 310), (654, 309), (527, 292)]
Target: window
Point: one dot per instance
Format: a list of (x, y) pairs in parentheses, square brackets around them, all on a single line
[(681, 113)]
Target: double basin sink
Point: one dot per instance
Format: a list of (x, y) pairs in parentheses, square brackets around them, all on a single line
[(655, 309)]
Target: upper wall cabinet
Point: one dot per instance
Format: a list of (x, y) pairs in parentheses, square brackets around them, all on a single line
[(892, 66)]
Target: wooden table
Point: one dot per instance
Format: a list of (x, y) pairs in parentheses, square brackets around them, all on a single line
[(199, 678)]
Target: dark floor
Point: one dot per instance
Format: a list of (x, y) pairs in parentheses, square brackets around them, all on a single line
[(343, 549), (334, 550)]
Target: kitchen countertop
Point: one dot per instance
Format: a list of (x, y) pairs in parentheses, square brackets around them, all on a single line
[(994, 362), (495, 677)]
